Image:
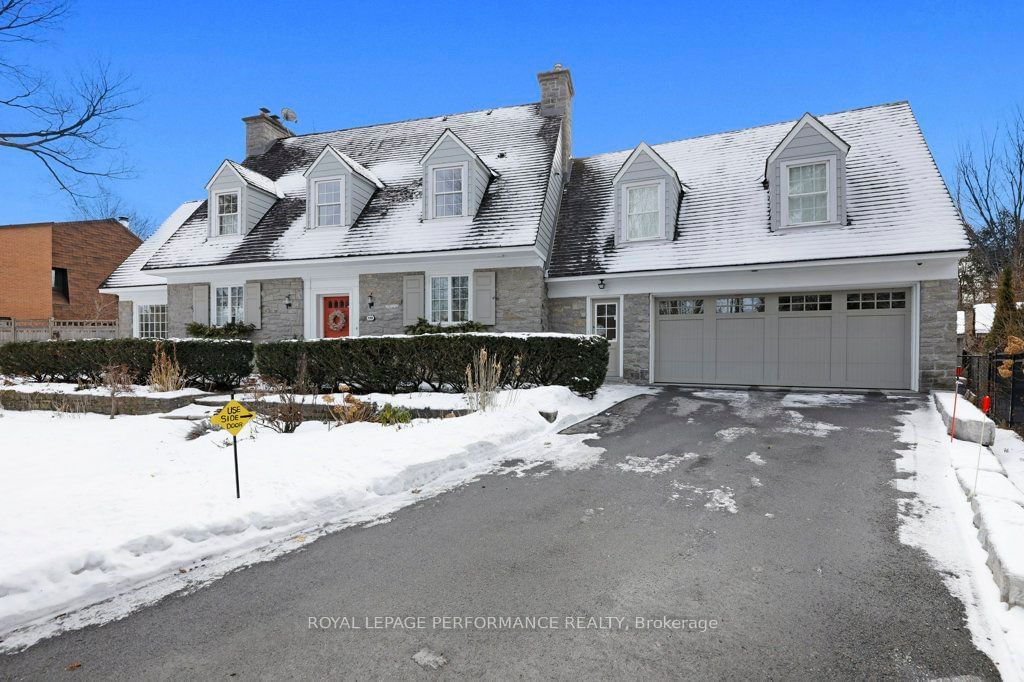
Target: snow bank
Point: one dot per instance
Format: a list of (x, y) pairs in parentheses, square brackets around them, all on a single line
[(110, 505), (61, 388), (971, 423), (1001, 530)]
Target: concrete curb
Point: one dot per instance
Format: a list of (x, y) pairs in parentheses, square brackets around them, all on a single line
[(971, 423)]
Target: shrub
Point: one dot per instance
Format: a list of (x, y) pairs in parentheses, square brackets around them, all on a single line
[(230, 330), (390, 415), (165, 374), (211, 363), (424, 327), (395, 364)]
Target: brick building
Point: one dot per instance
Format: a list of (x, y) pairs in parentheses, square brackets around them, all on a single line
[(54, 270)]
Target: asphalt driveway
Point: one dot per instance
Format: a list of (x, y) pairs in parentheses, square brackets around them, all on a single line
[(772, 517)]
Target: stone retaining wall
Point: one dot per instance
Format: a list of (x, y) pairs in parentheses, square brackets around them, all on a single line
[(85, 402)]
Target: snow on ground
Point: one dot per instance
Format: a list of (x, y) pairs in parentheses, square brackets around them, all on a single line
[(733, 432), (654, 465), (718, 499), (1009, 449), (756, 459), (94, 508), (821, 399), (21, 386), (939, 520)]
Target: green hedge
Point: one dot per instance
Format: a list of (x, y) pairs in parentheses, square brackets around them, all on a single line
[(395, 364), (215, 364)]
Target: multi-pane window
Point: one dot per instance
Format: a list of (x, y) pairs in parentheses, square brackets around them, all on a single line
[(328, 203), (643, 213), (153, 321), (805, 303), (229, 305), (606, 320), (739, 304), (447, 192), (876, 300), (449, 299), (227, 214), (681, 306), (808, 194)]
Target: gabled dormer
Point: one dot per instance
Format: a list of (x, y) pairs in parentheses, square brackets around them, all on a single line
[(806, 177), (455, 179), (337, 189), (238, 197), (647, 192)]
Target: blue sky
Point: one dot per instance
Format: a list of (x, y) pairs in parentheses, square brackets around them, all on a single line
[(643, 71)]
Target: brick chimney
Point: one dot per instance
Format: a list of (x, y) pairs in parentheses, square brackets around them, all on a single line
[(261, 131), (556, 94)]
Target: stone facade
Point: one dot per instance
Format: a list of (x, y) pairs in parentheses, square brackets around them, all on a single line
[(636, 338), (179, 309), (387, 303), (521, 304), (278, 321), (125, 319), (938, 333), (568, 315), (85, 402)]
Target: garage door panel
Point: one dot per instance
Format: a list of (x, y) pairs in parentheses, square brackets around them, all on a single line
[(680, 350), (805, 351), (739, 351), (876, 351)]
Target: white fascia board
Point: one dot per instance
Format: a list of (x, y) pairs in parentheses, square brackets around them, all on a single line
[(479, 258), (140, 295), (808, 120), (643, 147), (803, 277)]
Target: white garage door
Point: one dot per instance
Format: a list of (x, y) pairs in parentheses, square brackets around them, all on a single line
[(844, 339)]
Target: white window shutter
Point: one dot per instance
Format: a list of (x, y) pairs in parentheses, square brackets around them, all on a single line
[(252, 304), (483, 297), (201, 303), (412, 299)]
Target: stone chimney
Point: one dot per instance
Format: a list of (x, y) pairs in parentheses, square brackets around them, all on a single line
[(556, 94), (261, 131)]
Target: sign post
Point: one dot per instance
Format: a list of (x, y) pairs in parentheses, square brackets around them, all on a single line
[(232, 418), (986, 405)]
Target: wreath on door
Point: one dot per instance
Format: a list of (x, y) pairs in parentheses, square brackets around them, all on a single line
[(336, 320)]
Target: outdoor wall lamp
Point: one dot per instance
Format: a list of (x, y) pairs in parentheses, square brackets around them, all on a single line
[(369, 301), (600, 283), (288, 301)]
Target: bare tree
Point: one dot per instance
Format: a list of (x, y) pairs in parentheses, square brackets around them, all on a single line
[(104, 203), (66, 129), (990, 194)]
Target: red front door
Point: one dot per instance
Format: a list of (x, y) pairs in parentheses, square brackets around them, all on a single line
[(336, 319)]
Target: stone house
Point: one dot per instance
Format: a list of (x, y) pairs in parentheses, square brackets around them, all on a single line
[(818, 252)]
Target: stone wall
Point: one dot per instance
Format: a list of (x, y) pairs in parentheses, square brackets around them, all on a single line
[(387, 303), (938, 333), (125, 319), (521, 304), (636, 338), (568, 315), (278, 321), (99, 404), (179, 310)]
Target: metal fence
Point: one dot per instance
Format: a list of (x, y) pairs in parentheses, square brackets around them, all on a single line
[(41, 330), (984, 375)]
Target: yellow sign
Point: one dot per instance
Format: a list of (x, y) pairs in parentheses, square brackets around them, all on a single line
[(233, 417)]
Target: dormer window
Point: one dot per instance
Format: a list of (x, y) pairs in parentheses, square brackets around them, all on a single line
[(328, 202), (643, 211), (227, 213), (449, 191), (807, 193)]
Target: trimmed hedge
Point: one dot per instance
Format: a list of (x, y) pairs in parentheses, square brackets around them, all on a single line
[(396, 364), (217, 364)]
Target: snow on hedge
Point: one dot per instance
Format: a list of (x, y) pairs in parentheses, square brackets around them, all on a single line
[(94, 507)]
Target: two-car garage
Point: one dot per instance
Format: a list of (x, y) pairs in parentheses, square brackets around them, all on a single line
[(838, 339)]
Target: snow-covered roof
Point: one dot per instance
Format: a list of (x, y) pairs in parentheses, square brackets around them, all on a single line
[(517, 142), (129, 274), (897, 202)]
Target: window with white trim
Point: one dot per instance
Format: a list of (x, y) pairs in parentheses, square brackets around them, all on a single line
[(739, 304), (643, 212), (681, 306), (449, 299), (153, 321), (328, 203), (606, 320), (807, 187), (448, 192), (227, 213), (229, 305), (876, 300), (805, 303)]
